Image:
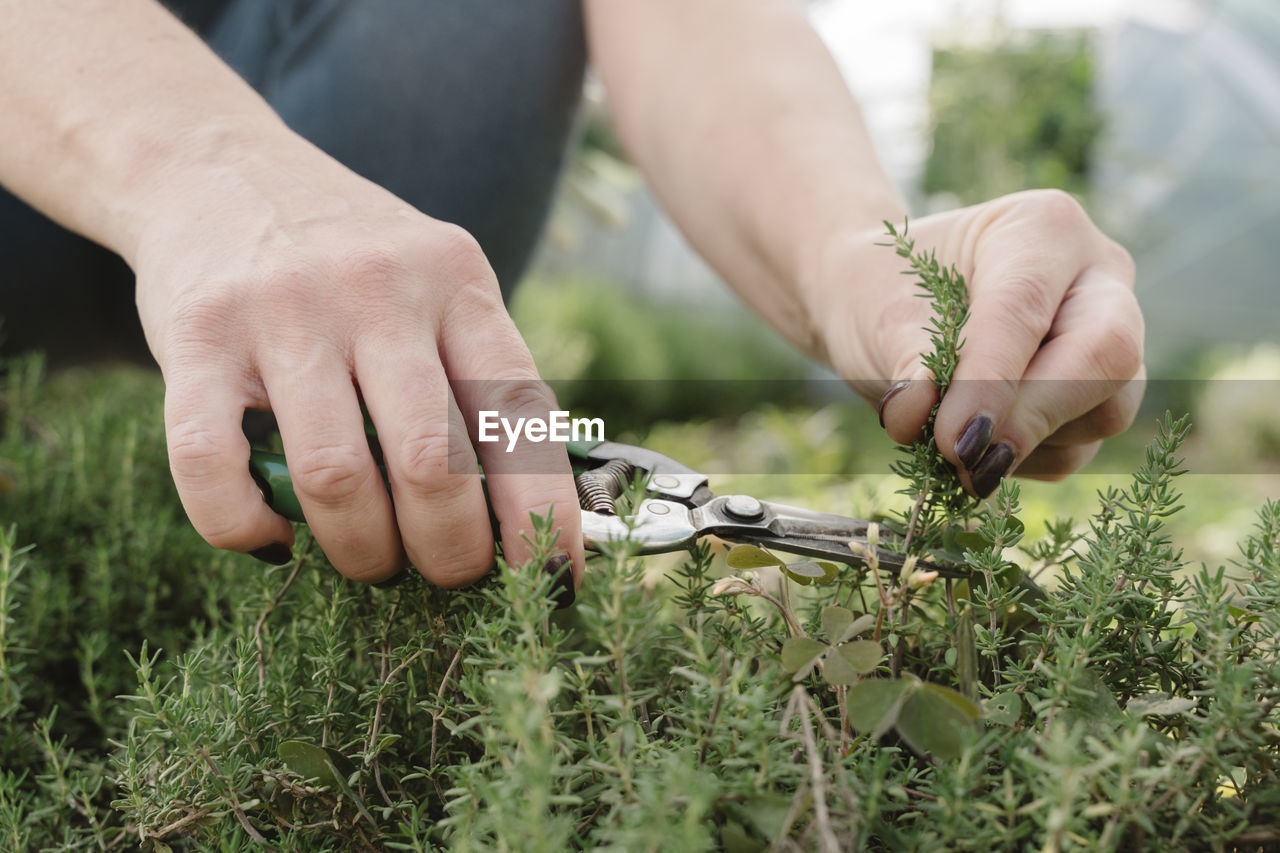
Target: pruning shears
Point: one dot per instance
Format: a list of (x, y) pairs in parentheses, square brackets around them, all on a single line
[(676, 510)]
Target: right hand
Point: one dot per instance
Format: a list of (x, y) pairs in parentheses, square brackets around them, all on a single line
[(277, 279)]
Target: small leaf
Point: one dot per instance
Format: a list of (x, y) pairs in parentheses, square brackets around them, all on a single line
[(799, 654), (805, 572), (734, 839), (750, 557), (963, 704), (859, 625), (308, 761), (970, 540), (874, 704), (1003, 708), (836, 670), (1159, 704), (768, 813), (934, 721), (862, 655), (835, 621)]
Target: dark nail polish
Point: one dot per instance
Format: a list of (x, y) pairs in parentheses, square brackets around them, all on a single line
[(988, 473), (393, 581), (277, 553), (888, 395), (973, 441), (562, 592)]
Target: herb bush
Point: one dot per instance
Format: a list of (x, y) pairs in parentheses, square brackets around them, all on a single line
[(157, 694)]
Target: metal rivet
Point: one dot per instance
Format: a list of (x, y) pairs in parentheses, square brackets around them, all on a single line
[(744, 507), (659, 509), (666, 481)]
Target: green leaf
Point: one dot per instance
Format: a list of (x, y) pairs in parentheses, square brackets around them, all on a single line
[(309, 761), (874, 704), (836, 670), (970, 540), (934, 721), (806, 572), (862, 655), (799, 654), (1159, 704), (963, 704), (734, 839), (1003, 708), (835, 621), (750, 557)]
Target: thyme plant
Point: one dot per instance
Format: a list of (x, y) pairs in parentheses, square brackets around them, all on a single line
[(156, 694)]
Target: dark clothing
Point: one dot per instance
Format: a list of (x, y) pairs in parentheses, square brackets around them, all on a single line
[(461, 109)]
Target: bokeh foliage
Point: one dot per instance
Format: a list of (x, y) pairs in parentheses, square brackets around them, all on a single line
[(1014, 116)]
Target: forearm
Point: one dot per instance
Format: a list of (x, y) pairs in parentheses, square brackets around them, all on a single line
[(740, 120), (104, 104)]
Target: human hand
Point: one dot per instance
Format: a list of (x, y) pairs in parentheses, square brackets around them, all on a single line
[(277, 279), (1052, 358)]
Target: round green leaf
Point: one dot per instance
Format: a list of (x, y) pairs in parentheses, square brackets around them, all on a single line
[(934, 721), (963, 704), (836, 670), (835, 621), (861, 655), (1003, 709), (805, 572), (874, 704), (799, 653), (750, 557), (970, 540), (308, 761)]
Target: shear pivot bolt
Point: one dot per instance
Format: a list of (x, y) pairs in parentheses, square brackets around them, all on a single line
[(744, 507), (659, 509)]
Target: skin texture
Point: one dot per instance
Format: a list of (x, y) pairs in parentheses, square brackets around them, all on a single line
[(789, 204), (270, 276)]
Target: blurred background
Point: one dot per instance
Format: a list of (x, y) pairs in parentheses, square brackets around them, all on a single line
[(1161, 116)]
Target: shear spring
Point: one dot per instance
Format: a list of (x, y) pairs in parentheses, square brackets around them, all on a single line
[(598, 487)]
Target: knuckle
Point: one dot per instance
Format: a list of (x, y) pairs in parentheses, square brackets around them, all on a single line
[(372, 267), (1122, 260), (425, 461), (202, 318), (291, 291), (524, 395), (1057, 209), (457, 252), (333, 473), (194, 450), (1119, 353), (1111, 418)]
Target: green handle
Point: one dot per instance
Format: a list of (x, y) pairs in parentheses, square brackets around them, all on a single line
[(271, 472)]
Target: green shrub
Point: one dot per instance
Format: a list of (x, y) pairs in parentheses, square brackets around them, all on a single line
[(1132, 706)]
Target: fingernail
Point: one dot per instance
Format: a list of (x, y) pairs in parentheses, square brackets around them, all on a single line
[(277, 553), (562, 592), (988, 473), (973, 441), (888, 395), (393, 581)]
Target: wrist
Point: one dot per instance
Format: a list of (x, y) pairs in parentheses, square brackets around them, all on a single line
[(160, 178), (835, 263)]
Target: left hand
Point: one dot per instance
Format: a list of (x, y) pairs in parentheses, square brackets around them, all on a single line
[(1052, 355)]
